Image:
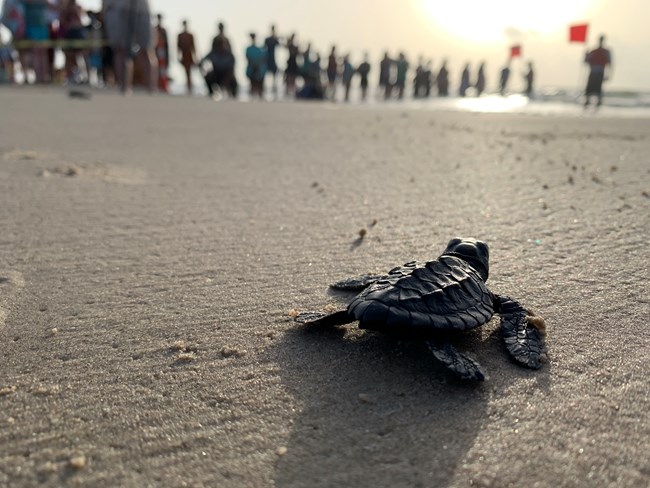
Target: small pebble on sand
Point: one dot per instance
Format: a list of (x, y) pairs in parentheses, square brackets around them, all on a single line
[(229, 352), (365, 398), (7, 390), (78, 462), (281, 451), (186, 357)]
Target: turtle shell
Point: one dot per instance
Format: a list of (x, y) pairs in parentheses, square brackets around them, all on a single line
[(446, 293)]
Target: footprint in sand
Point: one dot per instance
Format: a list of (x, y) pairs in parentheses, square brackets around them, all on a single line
[(97, 171), (19, 155), (11, 283)]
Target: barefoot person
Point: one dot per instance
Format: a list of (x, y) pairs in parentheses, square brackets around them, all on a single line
[(128, 26), (599, 60), (186, 54)]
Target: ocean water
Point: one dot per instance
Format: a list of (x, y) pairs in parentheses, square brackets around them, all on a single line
[(547, 101)]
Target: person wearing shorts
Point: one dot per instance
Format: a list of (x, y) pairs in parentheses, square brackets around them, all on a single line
[(129, 31)]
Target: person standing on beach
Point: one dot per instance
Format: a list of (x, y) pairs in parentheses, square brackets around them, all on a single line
[(332, 73), (221, 36), (599, 60), (346, 76), (292, 71), (480, 80), (37, 28), (529, 78), (186, 54), (384, 75), (363, 70), (128, 24), (464, 81), (442, 80), (503, 79), (73, 29), (256, 69), (270, 43), (402, 69), (162, 54)]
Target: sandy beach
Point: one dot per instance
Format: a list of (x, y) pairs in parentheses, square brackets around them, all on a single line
[(152, 248)]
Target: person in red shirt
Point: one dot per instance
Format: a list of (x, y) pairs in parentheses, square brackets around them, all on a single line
[(186, 54), (599, 60)]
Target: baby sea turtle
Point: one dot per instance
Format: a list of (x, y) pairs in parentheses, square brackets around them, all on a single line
[(428, 299)]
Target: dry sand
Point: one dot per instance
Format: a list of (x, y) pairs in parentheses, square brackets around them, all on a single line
[(151, 249)]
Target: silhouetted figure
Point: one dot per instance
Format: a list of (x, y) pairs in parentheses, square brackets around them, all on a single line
[(162, 54), (418, 79), (313, 86), (428, 79), (402, 69), (256, 68), (503, 78), (346, 76), (222, 71), (270, 43), (598, 60), (332, 73), (221, 37), (480, 80), (363, 70), (384, 75), (292, 71), (186, 54), (306, 61), (529, 77), (464, 81), (442, 80)]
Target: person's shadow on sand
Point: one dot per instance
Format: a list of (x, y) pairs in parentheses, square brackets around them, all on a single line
[(374, 411)]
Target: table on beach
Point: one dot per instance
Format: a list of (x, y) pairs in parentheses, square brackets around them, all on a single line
[(152, 249)]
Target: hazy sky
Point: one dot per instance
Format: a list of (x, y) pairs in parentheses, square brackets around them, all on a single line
[(468, 31)]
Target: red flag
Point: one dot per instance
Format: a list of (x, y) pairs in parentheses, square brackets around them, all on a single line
[(515, 51), (578, 33)]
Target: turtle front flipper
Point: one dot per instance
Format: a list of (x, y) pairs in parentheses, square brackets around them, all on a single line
[(463, 366), (522, 332), (323, 319)]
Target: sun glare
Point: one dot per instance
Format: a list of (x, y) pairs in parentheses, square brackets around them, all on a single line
[(480, 21)]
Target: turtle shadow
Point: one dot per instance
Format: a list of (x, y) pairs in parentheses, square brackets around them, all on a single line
[(373, 410)]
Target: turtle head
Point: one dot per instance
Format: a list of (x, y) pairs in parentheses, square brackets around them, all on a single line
[(476, 253)]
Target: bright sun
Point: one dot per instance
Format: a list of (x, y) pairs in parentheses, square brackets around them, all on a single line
[(486, 21)]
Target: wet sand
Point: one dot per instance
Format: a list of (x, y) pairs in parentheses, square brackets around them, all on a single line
[(152, 248)]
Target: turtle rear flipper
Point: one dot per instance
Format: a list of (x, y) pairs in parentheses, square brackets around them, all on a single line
[(357, 283), (463, 366), (323, 319), (522, 332), (362, 282)]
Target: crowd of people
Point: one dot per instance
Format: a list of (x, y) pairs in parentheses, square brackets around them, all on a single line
[(120, 44)]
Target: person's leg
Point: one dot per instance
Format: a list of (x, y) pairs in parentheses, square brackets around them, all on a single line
[(188, 76), (148, 65), (209, 80), (39, 60)]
